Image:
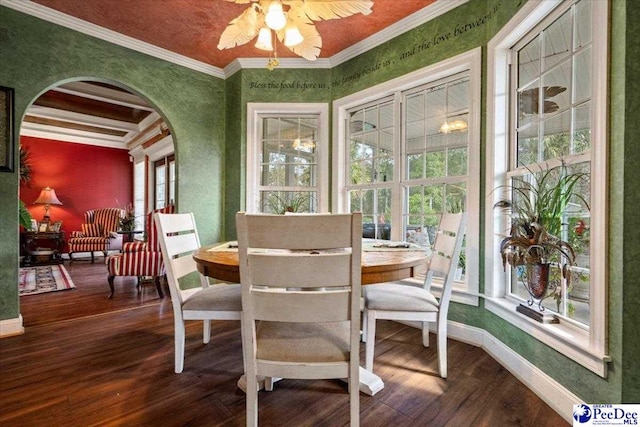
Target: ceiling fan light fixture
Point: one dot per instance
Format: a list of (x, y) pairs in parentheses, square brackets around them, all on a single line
[(264, 39), (275, 17), (453, 126), (292, 35)]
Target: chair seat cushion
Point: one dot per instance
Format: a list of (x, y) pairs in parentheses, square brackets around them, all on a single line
[(303, 342), (396, 297), (218, 298)]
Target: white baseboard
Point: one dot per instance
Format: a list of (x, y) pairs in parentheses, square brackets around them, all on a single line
[(11, 327)]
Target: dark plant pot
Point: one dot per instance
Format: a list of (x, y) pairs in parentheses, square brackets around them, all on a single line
[(538, 279)]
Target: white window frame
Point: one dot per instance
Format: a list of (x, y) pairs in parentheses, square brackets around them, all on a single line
[(254, 111), (588, 348), (470, 61)]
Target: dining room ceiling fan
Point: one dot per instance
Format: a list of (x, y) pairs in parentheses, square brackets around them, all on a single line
[(290, 20), (530, 100)]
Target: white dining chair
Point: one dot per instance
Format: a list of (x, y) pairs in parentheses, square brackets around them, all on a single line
[(178, 239), (404, 301), (311, 332)]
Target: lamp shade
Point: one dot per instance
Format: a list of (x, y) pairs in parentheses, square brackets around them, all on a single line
[(292, 36), (47, 197), (275, 17), (264, 39)]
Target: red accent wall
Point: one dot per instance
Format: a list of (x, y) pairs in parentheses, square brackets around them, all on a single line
[(84, 177)]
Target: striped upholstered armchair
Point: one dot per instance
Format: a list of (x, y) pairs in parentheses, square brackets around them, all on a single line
[(141, 259), (98, 230)]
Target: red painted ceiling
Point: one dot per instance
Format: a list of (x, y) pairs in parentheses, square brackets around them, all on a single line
[(192, 27)]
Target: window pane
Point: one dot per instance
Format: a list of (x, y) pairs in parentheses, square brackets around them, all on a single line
[(556, 139), (415, 107), (435, 164), (557, 41), (582, 128), (582, 76), (582, 24), (556, 97), (457, 162), (456, 197), (458, 96), (527, 146), (528, 104), (529, 62)]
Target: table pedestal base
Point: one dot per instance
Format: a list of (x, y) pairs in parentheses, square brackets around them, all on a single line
[(370, 383)]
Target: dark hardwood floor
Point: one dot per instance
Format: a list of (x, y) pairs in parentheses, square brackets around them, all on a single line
[(89, 361)]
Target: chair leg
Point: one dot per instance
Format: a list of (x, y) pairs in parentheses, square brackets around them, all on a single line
[(158, 286), (206, 331), (110, 280), (442, 347), (179, 344), (92, 258), (354, 397), (252, 399), (370, 318), (425, 334)]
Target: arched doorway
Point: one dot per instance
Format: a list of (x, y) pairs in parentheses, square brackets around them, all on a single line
[(97, 144)]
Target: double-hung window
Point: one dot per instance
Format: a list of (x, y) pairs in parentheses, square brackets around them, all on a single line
[(287, 158), (547, 108), (407, 151)]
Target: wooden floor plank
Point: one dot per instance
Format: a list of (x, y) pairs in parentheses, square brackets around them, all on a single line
[(90, 361)]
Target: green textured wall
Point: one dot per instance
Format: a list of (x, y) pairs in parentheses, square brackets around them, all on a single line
[(625, 164), (261, 85), (37, 55)]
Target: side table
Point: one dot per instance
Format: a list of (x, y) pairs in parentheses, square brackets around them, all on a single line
[(127, 236), (41, 248)]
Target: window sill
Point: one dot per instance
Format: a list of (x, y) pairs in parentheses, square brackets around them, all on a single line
[(566, 339)]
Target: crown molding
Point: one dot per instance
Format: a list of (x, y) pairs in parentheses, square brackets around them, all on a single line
[(426, 14), (53, 16), (70, 135)]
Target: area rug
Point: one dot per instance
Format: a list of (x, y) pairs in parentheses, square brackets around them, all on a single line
[(47, 278)]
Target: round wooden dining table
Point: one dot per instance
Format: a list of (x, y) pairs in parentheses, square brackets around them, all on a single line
[(379, 264)]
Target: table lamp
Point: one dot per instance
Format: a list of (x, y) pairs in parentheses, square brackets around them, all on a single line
[(47, 197)]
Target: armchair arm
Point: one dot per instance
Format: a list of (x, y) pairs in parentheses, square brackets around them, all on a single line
[(76, 234), (134, 247)]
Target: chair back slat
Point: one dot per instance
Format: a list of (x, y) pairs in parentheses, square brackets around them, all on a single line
[(178, 244), (311, 268), (329, 233), (301, 306), (444, 243)]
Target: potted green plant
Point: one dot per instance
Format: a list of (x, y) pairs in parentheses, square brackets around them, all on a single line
[(24, 216), (128, 221), (280, 203), (538, 207)]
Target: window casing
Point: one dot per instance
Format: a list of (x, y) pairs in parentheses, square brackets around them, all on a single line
[(287, 159), (139, 189), (165, 181), (405, 151), (546, 108)]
